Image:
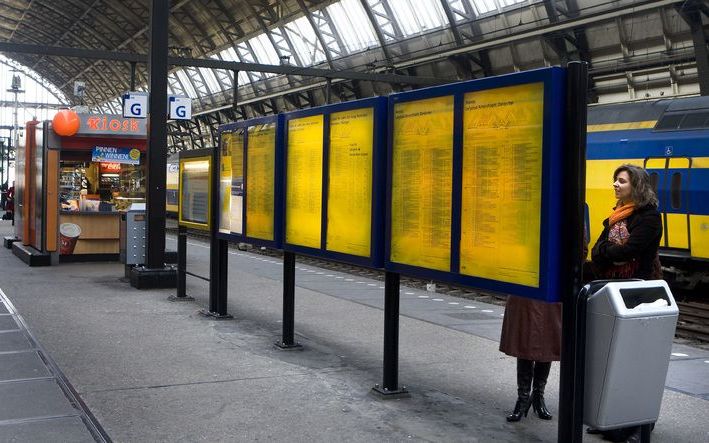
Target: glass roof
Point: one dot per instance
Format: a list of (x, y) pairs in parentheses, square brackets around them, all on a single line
[(305, 41), (35, 90), (416, 16), (211, 80), (344, 26), (353, 25), (186, 84), (264, 51)]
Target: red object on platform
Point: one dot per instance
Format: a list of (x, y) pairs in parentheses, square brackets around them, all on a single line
[(66, 122)]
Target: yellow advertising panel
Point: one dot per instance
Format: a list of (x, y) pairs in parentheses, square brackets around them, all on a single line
[(231, 178), (502, 178), (260, 184), (304, 181), (349, 202), (422, 183), (195, 192)]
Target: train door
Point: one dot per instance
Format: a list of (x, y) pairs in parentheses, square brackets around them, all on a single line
[(670, 177)]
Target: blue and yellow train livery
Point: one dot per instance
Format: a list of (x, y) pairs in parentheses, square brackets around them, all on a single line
[(171, 185), (671, 139)]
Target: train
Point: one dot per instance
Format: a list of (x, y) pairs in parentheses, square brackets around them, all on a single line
[(670, 138)]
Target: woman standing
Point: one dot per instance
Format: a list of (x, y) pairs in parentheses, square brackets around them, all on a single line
[(628, 246), (531, 331)]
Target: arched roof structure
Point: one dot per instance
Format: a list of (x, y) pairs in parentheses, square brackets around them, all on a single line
[(635, 49)]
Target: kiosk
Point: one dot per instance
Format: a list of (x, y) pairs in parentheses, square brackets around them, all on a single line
[(77, 174)]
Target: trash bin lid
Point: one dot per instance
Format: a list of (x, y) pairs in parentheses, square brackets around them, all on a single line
[(631, 299)]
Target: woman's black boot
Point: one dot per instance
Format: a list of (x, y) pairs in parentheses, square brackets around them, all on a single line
[(525, 373), (541, 373)]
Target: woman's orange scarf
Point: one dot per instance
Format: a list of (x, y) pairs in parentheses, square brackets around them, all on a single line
[(621, 212)]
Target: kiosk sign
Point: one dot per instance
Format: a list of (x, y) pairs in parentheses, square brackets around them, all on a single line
[(130, 156)]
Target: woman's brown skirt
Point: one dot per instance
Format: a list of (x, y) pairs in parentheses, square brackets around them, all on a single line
[(531, 329)]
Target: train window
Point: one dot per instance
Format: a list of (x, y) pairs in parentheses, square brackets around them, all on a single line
[(695, 120), (676, 196), (654, 179), (669, 121)]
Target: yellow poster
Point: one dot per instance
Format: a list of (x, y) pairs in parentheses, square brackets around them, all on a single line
[(304, 181), (236, 211), (349, 201), (225, 182), (195, 192), (260, 186), (422, 183), (231, 177), (502, 178)]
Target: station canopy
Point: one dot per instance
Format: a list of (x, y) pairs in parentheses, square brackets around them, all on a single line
[(635, 49)]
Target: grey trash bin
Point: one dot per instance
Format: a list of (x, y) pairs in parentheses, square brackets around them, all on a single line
[(629, 330)]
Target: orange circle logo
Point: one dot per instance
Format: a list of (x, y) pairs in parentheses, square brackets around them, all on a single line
[(66, 122)]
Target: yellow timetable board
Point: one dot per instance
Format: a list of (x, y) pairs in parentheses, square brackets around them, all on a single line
[(195, 192), (304, 181), (231, 182), (501, 186), (349, 201), (422, 181), (260, 181)]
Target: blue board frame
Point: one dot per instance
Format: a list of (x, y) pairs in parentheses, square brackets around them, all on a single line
[(554, 80), (376, 257), (278, 181)]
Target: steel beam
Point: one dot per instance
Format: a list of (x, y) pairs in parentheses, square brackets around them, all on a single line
[(10, 103), (583, 20), (57, 51)]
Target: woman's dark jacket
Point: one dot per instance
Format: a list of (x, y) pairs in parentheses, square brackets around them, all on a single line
[(645, 229)]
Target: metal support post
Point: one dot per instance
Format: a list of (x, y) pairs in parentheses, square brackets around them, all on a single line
[(288, 340), (157, 137), (690, 12), (218, 260), (222, 282), (2, 169), (181, 267), (390, 380), (155, 274), (235, 90), (218, 252), (132, 76), (328, 91), (570, 428)]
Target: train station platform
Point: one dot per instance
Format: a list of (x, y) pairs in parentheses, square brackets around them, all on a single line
[(153, 370)]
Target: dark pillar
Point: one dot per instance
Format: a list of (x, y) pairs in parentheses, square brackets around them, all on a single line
[(235, 92), (694, 19), (571, 382), (328, 91), (154, 274), (132, 76), (157, 141), (181, 267), (218, 253), (390, 380), (288, 339), (2, 165)]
